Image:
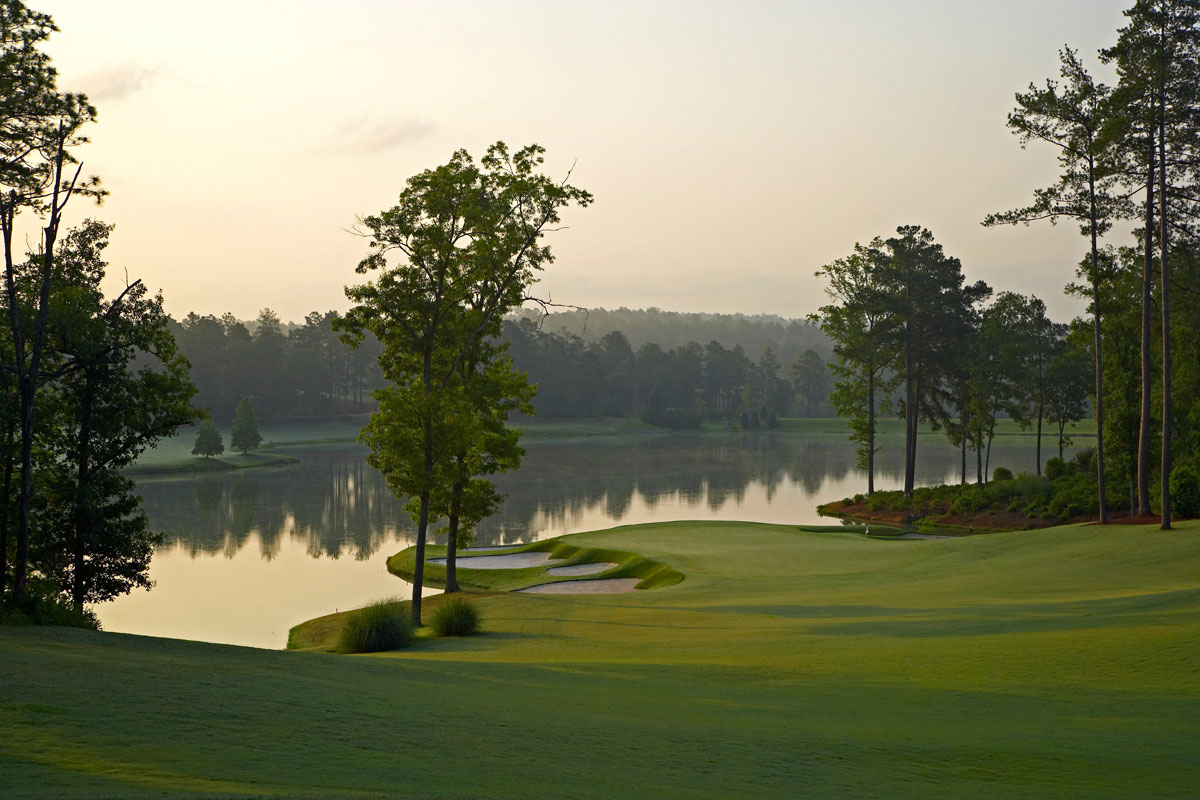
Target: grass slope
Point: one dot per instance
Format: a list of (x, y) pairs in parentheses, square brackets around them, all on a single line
[(789, 663)]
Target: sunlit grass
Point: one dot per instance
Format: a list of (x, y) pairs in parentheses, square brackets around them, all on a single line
[(1054, 663)]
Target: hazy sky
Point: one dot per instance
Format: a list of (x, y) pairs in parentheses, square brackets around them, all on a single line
[(733, 148)]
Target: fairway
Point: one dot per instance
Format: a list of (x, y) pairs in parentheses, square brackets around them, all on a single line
[(787, 663)]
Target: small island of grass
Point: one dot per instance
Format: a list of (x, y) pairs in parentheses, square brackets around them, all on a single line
[(560, 553)]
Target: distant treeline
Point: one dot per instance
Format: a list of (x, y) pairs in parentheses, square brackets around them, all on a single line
[(653, 367), (677, 387), (297, 370), (787, 338)]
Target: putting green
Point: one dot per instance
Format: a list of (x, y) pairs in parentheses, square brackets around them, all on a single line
[(788, 663)]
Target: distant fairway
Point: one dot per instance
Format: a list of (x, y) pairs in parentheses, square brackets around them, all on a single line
[(1053, 663)]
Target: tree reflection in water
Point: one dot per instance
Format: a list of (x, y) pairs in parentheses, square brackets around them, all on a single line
[(336, 504)]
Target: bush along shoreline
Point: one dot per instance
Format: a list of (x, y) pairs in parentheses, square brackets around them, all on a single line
[(1067, 492)]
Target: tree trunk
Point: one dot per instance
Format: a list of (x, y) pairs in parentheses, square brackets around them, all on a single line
[(870, 430), (910, 418), (6, 513), (963, 437), (1039, 441), (452, 537), (979, 459), (21, 556), (1103, 502), (1164, 247), (1099, 406), (29, 375), (1061, 428), (419, 566), (82, 506), (1143, 461), (987, 464)]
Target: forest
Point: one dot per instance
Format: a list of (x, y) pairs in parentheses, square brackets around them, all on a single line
[(902, 315), (624, 363)]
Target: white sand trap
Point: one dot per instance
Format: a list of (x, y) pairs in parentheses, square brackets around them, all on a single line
[(510, 561), (597, 586), (582, 569), (491, 548)]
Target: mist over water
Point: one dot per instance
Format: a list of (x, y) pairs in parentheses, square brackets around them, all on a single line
[(248, 554)]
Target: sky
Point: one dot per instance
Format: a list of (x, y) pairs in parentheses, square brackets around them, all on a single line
[(733, 148)]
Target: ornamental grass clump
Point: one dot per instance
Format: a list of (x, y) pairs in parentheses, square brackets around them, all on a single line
[(381, 625), (456, 616)]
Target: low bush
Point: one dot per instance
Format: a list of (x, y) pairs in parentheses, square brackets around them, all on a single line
[(1002, 474), (45, 606), (1056, 468), (1185, 491), (456, 616), (382, 625)]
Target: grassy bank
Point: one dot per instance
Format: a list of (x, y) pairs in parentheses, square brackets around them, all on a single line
[(1054, 663), (1007, 431), (173, 456)]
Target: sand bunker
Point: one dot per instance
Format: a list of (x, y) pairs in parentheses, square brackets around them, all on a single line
[(597, 586), (490, 548), (511, 561), (582, 569)]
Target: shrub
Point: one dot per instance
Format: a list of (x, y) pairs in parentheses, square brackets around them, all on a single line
[(456, 616), (1185, 491), (382, 625), (1085, 460), (45, 606), (1002, 474), (1056, 468)]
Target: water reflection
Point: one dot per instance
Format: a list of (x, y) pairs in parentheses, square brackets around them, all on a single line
[(335, 504), (249, 554)]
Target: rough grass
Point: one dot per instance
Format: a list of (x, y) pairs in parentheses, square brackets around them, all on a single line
[(1055, 663), (456, 616), (376, 627)]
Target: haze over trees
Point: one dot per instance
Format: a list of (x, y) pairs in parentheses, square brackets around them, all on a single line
[(577, 375)]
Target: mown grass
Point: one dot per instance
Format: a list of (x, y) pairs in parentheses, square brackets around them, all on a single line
[(1053, 663)]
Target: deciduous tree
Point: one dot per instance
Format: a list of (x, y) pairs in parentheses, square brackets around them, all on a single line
[(458, 251)]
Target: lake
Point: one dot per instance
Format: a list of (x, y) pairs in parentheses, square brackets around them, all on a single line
[(248, 554)]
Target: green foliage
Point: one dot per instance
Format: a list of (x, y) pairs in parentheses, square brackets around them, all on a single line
[(45, 605), (1068, 490), (208, 440), (456, 616), (1185, 491), (376, 627), (1002, 474), (1055, 468), (245, 435), (449, 260)]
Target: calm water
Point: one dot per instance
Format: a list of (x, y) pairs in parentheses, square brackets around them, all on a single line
[(249, 554)]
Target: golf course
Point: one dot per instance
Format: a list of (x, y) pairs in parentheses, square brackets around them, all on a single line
[(787, 662)]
